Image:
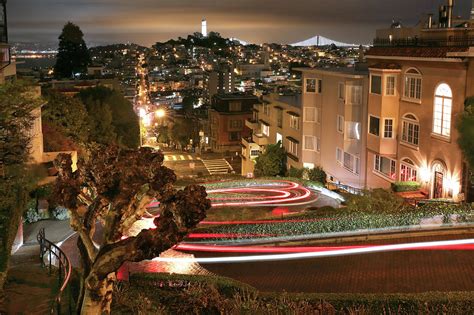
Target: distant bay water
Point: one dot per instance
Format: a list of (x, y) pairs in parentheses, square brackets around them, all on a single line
[(28, 63)]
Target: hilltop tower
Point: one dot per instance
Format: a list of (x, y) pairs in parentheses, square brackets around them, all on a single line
[(204, 27)]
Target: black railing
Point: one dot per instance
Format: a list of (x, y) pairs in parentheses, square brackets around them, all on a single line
[(55, 257), (450, 41)]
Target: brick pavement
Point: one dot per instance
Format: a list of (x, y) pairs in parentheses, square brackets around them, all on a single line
[(387, 272)]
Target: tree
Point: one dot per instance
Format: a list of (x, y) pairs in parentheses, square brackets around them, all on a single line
[(114, 188), (162, 134), (317, 174), (188, 104), (465, 128), (55, 140), (73, 56), (68, 116), (17, 103), (111, 117), (184, 130), (272, 162)]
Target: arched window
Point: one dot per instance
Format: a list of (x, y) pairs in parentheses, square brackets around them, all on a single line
[(410, 129), (408, 171), (412, 85), (443, 104)]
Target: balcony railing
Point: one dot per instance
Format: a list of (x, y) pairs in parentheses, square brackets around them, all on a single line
[(450, 41)]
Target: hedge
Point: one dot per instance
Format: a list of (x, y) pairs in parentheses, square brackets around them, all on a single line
[(354, 221), (405, 186), (11, 210), (218, 295), (150, 281), (412, 303)]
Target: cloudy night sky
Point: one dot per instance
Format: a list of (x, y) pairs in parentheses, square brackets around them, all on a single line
[(148, 21)]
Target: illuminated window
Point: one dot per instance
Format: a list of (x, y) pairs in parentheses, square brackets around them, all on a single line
[(339, 155), (442, 110), (408, 171), (390, 85), (340, 124), (353, 130), (310, 86), (341, 91), (293, 148), (355, 95), (388, 128), (374, 125), (265, 130), (385, 166), (412, 85), (294, 122), (351, 163), (410, 130)]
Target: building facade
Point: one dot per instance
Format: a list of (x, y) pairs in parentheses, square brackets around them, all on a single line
[(220, 82), (416, 94), (277, 119), (334, 123), (227, 117)]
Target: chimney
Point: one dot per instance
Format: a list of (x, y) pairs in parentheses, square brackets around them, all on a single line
[(449, 13), (441, 19), (430, 20)]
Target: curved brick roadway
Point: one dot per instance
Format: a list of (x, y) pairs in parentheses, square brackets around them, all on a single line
[(389, 272)]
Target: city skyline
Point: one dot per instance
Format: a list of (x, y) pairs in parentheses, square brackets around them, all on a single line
[(146, 22)]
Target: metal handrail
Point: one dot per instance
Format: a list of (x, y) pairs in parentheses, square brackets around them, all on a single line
[(349, 189), (61, 260)]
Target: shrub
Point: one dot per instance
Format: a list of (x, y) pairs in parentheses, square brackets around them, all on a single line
[(60, 213), (377, 201), (296, 172), (31, 216), (405, 186), (317, 174)]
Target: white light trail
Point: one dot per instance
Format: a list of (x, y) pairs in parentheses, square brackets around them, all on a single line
[(330, 253)]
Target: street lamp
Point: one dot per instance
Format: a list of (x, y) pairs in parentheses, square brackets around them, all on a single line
[(160, 113)]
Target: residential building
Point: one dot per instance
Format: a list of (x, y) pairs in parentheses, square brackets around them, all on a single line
[(334, 122), (277, 118), (227, 117), (418, 87), (221, 82)]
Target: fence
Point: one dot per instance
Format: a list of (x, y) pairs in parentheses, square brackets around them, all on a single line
[(58, 259)]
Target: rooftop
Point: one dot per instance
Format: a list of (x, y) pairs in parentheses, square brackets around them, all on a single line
[(351, 71), (235, 96), (422, 52)]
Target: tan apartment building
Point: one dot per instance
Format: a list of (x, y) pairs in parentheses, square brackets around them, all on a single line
[(334, 123), (418, 86), (227, 117), (277, 118)]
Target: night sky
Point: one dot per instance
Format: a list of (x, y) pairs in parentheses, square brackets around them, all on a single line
[(148, 21)]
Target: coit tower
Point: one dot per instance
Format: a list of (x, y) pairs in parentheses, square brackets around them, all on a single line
[(204, 27)]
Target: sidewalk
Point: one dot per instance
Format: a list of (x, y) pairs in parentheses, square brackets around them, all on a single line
[(29, 288)]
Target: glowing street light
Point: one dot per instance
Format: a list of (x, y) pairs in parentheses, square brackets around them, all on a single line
[(160, 113)]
